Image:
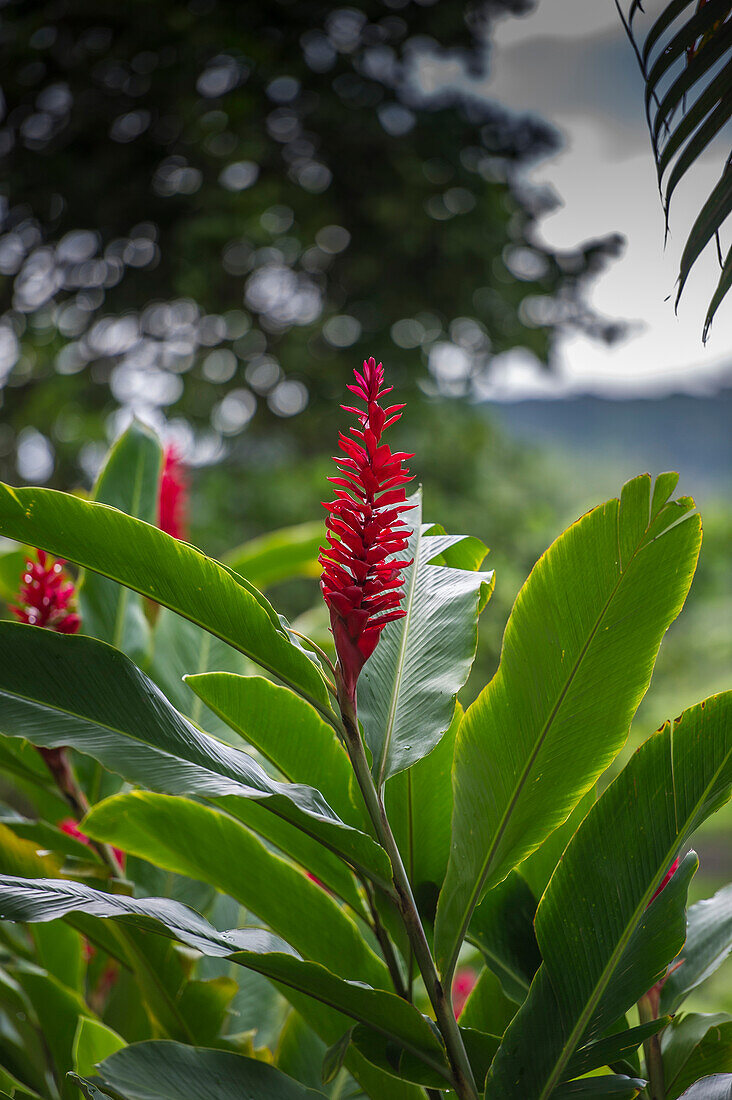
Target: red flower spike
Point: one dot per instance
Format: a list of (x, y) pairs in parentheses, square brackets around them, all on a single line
[(173, 498), (361, 587), (45, 596)]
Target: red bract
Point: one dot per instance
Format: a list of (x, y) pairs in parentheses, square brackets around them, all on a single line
[(666, 879), (462, 986), (45, 595), (173, 499), (362, 571), (71, 828)]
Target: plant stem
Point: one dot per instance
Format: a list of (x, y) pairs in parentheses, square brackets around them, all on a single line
[(652, 1052), (385, 943), (464, 1081)]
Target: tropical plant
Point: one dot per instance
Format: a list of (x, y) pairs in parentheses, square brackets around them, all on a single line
[(397, 898), (686, 62)]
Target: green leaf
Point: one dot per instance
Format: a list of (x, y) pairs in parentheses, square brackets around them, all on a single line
[(713, 213), (695, 1046), (419, 807), (502, 929), (708, 944), (45, 899), (577, 658), (181, 648), (617, 1086), (300, 1054), (163, 569), (93, 1042), (190, 839), (59, 951), (279, 555), (286, 730), (205, 1006), (488, 1009), (620, 1046), (70, 690), (718, 1087), (12, 567), (595, 969), (408, 687), (539, 867), (172, 1071), (59, 1010), (129, 481), (334, 1057), (723, 286)]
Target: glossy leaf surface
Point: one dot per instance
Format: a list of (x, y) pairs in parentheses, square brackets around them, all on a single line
[(220, 851), (69, 690), (708, 944), (595, 969), (129, 481), (408, 687), (42, 900), (171, 1071), (695, 1046), (577, 658), (171, 572)]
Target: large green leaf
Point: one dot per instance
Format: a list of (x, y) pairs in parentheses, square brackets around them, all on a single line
[(408, 687), (171, 572), (577, 658), (695, 1046), (708, 944), (129, 481), (419, 806), (603, 938), (279, 555), (190, 839), (718, 1087), (181, 648), (59, 1010), (45, 899), (172, 1071), (69, 690), (285, 729), (502, 929)]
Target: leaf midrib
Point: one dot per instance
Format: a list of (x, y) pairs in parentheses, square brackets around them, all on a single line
[(399, 670), (607, 973)]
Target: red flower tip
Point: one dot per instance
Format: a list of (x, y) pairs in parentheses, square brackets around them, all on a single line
[(462, 986), (173, 498), (362, 576), (46, 595), (666, 879)]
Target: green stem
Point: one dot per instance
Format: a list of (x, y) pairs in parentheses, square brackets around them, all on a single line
[(652, 1052), (387, 948), (440, 999)]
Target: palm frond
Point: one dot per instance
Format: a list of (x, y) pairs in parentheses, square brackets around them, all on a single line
[(686, 62)]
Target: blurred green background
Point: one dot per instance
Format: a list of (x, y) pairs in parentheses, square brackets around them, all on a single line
[(212, 211)]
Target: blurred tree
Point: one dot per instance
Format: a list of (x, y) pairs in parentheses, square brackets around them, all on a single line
[(213, 209)]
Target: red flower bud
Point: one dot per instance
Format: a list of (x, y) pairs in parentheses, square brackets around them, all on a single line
[(462, 986), (362, 578)]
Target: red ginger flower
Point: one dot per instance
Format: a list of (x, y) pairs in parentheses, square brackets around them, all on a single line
[(362, 578), (45, 595), (172, 501)]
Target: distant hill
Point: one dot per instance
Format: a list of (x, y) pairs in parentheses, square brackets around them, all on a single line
[(620, 438)]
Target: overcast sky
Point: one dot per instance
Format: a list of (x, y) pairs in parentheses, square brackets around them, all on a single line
[(570, 62)]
